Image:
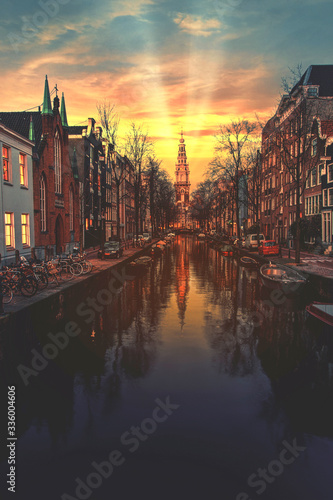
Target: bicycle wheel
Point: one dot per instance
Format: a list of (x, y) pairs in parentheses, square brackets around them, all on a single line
[(87, 266), (7, 293), (66, 272), (77, 268), (42, 280), (28, 286)]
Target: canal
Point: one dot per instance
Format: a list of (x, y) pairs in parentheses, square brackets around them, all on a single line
[(182, 381)]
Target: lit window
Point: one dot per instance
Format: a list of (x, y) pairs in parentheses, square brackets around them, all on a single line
[(42, 200), (5, 164), (23, 170), (25, 229), (57, 163), (9, 229)]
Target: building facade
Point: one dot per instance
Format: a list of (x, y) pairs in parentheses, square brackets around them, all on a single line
[(294, 157), (16, 195), (55, 185), (86, 149)]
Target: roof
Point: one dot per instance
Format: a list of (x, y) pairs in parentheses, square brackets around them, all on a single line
[(20, 122), (319, 74), (76, 129), (327, 128)]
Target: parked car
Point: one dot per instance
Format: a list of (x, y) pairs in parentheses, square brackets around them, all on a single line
[(112, 249), (251, 241), (146, 237), (268, 247)]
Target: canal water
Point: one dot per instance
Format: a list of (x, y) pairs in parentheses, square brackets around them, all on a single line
[(187, 380)]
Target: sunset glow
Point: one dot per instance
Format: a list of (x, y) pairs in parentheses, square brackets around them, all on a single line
[(164, 64)]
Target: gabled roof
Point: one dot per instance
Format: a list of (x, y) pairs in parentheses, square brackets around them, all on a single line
[(319, 74), (20, 122)]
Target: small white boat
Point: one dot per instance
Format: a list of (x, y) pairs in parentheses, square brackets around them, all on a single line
[(321, 311), (278, 276)]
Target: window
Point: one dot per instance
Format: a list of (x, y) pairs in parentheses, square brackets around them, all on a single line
[(6, 164), (25, 229), (312, 92), (320, 173), (71, 209), (327, 227), (23, 170), (330, 173), (57, 163), (9, 229), (308, 178), (314, 147), (330, 196), (42, 204), (325, 198), (314, 176), (306, 206)]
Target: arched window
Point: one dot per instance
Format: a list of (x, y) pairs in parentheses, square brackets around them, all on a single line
[(42, 200), (182, 195), (71, 209), (57, 162)]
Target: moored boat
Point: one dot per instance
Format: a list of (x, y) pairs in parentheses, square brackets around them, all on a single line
[(278, 276), (249, 262), (322, 311)]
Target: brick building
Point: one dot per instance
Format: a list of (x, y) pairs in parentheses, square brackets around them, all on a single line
[(87, 154), (55, 185), (293, 153)]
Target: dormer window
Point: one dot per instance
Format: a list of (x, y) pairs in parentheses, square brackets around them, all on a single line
[(313, 92)]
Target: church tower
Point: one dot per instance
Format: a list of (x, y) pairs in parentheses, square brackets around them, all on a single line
[(182, 185)]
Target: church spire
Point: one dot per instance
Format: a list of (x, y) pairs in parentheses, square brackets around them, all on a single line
[(47, 108), (32, 130), (63, 114)]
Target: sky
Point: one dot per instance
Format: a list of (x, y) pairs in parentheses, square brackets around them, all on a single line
[(165, 64)]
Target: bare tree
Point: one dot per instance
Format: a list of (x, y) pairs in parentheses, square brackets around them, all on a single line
[(110, 122), (288, 82), (231, 147), (139, 148)]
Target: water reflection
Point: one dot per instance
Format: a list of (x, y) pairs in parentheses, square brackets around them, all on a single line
[(197, 326)]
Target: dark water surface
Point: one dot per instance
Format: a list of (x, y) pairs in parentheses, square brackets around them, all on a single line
[(186, 378)]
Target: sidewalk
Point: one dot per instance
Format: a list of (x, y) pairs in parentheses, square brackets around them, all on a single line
[(19, 302), (322, 265)]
